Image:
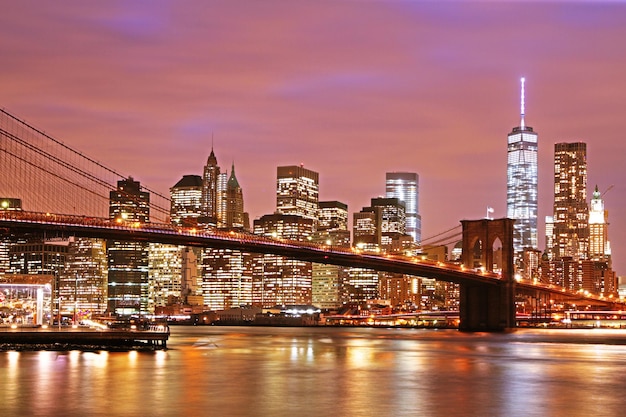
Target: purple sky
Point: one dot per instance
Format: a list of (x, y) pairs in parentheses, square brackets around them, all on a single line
[(351, 89)]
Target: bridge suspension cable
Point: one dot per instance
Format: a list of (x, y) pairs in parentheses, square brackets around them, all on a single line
[(446, 237), (48, 175)]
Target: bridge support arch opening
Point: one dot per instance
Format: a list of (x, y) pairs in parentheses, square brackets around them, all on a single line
[(488, 306)]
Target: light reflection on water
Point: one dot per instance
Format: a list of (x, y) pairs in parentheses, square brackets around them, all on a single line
[(263, 371)]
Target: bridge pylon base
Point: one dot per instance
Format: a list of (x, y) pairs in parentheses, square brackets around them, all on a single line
[(487, 308)]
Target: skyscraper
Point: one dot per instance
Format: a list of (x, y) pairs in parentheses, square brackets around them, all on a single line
[(599, 246), (571, 213), (235, 217), (521, 192), (209, 187), (128, 261), (405, 187)]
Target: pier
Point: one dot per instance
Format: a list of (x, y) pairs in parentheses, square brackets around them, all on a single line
[(41, 338)]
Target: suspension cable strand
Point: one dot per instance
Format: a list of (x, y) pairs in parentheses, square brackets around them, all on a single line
[(447, 239), (38, 166), (442, 233)]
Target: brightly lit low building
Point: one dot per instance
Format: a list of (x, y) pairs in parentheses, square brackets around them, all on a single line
[(26, 300)]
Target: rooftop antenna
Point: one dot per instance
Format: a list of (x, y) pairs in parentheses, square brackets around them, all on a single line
[(523, 110)]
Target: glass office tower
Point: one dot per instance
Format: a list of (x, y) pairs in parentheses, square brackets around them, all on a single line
[(405, 187), (521, 193)]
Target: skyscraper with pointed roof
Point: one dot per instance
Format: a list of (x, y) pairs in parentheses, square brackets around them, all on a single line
[(599, 246), (521, 190), (209, 187), (235, 216)]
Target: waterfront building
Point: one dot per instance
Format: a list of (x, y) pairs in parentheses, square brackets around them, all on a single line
[(278, 280), (164, 275), (405, 187), (522, 174), (227, 279), (186, 201), (332, 230), (297, 191), (128, 261), (82, 282), (35, 256), (571, 213)]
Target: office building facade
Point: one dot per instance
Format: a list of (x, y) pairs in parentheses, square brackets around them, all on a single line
[(297, 191)]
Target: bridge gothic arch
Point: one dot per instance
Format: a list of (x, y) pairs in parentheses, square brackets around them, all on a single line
[(481, 237), (488, 307)]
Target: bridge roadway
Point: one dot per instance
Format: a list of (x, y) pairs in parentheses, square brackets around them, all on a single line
[(59, 225), (67, 225)]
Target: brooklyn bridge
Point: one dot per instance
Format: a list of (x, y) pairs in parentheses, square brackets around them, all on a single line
[(63, 193)]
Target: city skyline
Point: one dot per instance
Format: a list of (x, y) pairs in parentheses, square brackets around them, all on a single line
[(422, 87)]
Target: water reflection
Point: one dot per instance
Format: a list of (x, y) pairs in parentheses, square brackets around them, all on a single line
[(328, 371)]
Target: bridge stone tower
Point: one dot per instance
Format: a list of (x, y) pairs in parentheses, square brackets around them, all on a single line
[(488, 306)]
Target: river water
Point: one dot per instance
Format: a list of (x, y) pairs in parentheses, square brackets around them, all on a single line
[(301, 372)]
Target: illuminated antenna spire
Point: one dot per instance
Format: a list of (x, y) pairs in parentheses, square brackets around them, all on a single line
[(523, 110)]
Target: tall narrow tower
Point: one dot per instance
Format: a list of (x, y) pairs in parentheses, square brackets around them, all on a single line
[(209, 187), (599, 246), (521, 186), (571, 213), (235, 216)]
